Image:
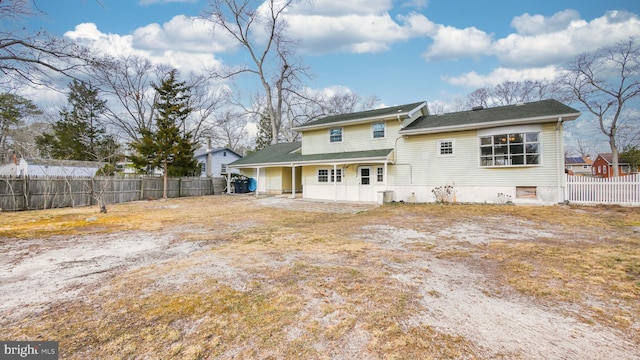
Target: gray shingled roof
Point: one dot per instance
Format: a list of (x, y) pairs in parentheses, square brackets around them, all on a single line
[(285, 154), (487, 117), (276, 153), (377, 113)]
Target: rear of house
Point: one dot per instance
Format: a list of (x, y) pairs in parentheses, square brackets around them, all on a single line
[(510, 153)]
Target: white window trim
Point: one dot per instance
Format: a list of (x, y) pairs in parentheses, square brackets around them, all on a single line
[(376, 174), (318, 176), (439, 144), (513, 129), (384, 124), (341, 135)]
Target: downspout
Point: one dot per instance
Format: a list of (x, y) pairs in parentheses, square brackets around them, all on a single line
[(395, 159), (560, 160)]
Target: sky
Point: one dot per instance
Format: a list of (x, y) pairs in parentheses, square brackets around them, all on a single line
[(399, 51)]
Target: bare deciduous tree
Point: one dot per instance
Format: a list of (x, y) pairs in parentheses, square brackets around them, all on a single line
[(260, 32), (32, 58), (605, 82)]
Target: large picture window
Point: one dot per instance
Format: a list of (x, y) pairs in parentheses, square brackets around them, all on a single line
[(335, 135), (515, 149)]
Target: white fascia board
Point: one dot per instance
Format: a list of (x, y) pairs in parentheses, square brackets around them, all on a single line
[(403, 114), (476, 126), (314, 162)]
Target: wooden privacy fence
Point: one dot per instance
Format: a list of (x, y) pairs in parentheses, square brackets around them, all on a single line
[(55, 192), (622, 190)]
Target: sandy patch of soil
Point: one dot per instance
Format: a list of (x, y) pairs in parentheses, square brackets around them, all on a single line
[(454, 297)]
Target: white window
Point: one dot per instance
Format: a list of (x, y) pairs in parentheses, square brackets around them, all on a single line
[(445, 147), (338, 175), (378, 130), (223, 168), (380, 174), (323, 175), (515, 149), (335, 135)]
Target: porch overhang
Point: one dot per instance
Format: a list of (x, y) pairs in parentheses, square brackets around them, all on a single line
[(381, 156)]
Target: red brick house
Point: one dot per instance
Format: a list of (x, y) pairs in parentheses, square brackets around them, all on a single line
[(603, 166)]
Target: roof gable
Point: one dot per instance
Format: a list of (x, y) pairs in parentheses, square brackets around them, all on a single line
[(363, 116), (203, 152), (534, 112)]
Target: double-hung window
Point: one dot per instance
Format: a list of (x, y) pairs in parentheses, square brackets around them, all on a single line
[(378, 130), (323, 175), (380, 174), (338, 175), (445, 147), (511, 149), (335, 135)]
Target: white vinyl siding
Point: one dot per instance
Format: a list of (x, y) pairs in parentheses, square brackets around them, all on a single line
[(427, 168), (354, 138)]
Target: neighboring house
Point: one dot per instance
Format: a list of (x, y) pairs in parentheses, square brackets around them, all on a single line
[(579, 165), (402, 153), (603, 166), (214, 162), (50, 167)]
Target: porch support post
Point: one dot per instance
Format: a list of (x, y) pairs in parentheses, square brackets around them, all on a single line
[(257, 181), (335, 184), (293, 181), (386, 168)]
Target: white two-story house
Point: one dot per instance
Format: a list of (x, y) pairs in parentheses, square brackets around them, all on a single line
[(402, 153)]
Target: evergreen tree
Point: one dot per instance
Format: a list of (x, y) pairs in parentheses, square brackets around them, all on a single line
[(264, 135), (81, 133), (13, 109), (167, 146)]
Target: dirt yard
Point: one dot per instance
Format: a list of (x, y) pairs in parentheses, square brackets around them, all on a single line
[(224, 277)]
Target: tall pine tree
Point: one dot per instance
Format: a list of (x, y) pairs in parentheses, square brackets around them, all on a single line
[(81, 133), (264, 135), (169, 146)]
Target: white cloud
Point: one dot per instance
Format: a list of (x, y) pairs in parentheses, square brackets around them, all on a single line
[(355, 33), (473, 80), (450, 43), (537, 24), (183, 34), (337, 8), (151, 42), (533, 47)]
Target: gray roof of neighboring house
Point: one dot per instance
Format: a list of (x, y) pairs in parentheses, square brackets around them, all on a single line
[(362, 115), (201, 152), (528, 113), (287, 153), (57, 162), (575, 160)]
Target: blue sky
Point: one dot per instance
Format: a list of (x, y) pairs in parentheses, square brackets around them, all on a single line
[(400, 51)]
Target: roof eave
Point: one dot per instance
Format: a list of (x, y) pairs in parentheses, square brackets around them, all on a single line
[(475, 126), (404, 114)]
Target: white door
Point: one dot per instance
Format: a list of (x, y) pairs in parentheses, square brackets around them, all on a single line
[(366, 188)]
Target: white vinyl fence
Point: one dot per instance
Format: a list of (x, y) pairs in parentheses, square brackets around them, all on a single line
[(622, 190)]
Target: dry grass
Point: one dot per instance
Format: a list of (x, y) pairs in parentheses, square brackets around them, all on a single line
[(313, 288)]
